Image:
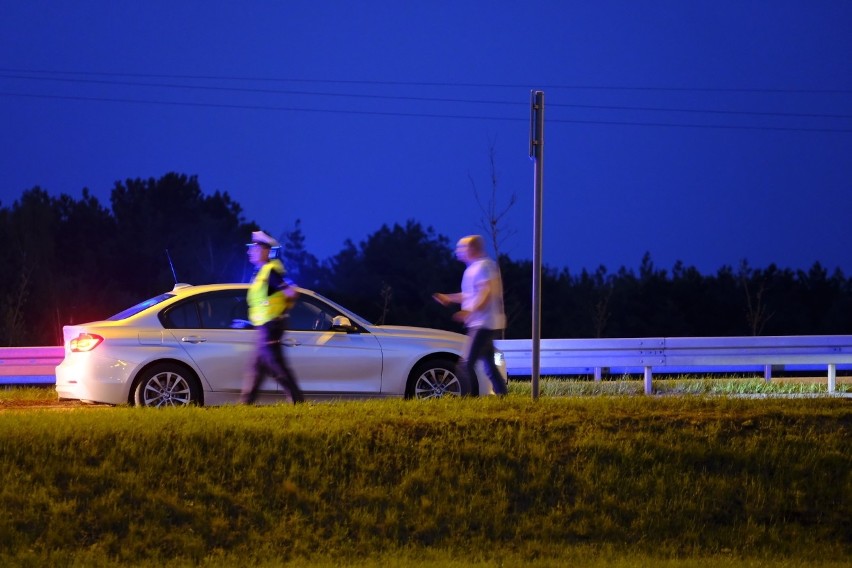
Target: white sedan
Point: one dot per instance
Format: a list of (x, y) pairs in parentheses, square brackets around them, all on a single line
[(190, 346)]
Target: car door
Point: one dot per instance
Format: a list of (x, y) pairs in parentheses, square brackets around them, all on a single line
[(327, 360), (208, 327)]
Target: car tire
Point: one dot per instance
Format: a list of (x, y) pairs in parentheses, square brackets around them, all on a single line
[(436, 379), (167, 384)]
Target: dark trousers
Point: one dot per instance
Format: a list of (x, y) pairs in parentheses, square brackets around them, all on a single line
[(269, 361), (481, 347)]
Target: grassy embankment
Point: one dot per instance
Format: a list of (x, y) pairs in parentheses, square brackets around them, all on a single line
[(597, 481)]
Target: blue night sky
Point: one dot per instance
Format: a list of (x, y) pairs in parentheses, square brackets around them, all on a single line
[(702, 131)]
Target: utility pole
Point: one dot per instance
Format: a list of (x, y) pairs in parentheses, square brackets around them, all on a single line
[(537, 155)]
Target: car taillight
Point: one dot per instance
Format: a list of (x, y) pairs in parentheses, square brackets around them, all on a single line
[(85, 342)]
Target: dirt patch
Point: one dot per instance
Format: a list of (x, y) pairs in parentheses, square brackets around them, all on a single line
[(56, 404)]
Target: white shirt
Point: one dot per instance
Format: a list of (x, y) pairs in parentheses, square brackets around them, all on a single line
[(477, 276)]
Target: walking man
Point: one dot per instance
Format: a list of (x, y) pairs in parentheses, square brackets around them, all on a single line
[(481, 300), (268, 298)]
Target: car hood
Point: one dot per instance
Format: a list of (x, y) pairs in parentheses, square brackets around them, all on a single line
[(424, 332)]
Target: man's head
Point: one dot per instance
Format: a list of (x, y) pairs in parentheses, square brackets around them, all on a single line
[(259, 247), (470, 248)]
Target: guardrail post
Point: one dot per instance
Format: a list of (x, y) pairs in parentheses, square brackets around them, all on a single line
[(832, 377), (597, 374), (767, 373), (648, 382)]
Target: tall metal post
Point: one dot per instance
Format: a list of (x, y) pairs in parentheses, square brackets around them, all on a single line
[(537, 154)]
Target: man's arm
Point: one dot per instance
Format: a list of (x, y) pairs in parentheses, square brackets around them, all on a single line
[(278, 283), (447, 299)]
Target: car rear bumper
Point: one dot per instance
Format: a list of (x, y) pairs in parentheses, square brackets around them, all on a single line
[(88, 378)]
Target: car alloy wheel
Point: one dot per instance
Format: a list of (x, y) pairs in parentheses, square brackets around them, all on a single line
[(167, 385), (435, 379)]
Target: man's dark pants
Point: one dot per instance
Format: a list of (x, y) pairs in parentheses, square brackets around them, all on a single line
[(269, 361), (481, 347)]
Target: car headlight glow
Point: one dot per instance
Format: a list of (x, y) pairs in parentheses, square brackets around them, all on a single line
[(498, 358)]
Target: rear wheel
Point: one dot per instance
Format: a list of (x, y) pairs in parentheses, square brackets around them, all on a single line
[(167, 384), (436, 379)]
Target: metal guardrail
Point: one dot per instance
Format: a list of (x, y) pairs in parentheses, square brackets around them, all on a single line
[(29, 365), (819, 353)]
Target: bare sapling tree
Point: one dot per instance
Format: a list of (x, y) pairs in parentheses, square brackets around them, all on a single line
[(601, 310), (387, 297), (492, 221), (756, 309), (493, 217)]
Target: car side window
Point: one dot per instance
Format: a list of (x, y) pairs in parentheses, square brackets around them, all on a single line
[(208, 311), (309, 315), (181, 316), (218, 311)]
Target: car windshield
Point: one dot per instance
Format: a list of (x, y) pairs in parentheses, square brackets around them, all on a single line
[(358, 319), (140, 306)]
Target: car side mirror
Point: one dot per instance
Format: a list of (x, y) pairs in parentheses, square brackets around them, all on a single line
[(342, 323)]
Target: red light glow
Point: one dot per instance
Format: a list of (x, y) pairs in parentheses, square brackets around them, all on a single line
[(85, 342)]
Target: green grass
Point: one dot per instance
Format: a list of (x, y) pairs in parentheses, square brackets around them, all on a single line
[(592, 481), (627, 385), (27, 394), (684, 384)]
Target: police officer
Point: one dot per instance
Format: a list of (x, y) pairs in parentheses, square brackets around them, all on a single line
[(268, 299)]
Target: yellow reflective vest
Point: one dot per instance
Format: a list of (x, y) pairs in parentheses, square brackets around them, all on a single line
[(262, 306)]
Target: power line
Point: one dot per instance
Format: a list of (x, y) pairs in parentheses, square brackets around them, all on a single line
[(704, 111), (253, 107), (436, 84), (709, 126), (264, 91), (412, 115), (422, 99)]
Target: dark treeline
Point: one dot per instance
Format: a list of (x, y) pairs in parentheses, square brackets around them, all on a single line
[(66, 260)]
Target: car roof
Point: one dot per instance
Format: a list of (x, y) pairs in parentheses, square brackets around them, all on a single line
[(188, 289)]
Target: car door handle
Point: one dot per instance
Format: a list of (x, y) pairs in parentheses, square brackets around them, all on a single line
[(193, 339), (290, 343)]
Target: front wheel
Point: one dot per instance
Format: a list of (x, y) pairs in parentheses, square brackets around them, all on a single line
[(436, 379), (166, 384)]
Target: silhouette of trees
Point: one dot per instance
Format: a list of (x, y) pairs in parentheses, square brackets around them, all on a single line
[(53, 248), (204, 235), (302, 266), (69, 261), (66, 260), (391, 276)]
